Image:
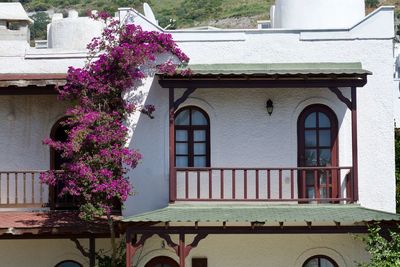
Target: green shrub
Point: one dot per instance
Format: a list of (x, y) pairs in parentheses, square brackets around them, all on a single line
[(385, 252)]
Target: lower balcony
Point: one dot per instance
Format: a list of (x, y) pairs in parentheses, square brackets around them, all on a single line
[(23, 190), (297, 184)]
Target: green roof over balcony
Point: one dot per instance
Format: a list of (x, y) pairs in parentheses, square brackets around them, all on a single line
[(269, 75), (264, 213), (352, 68)]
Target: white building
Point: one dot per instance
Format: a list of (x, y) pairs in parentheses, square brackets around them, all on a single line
[(281, 146)]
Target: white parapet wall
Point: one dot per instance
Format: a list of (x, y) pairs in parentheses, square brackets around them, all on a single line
[(317, 14)]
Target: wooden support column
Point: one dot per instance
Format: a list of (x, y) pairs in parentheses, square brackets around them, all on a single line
[(172, 174), (182, 250), (128, 252), (354, 142), (92, 251)]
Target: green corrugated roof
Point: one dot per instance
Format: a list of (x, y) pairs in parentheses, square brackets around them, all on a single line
[(263, 213), (354, 68)]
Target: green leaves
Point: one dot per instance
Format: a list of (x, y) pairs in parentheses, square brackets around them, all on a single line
[(385, 252)]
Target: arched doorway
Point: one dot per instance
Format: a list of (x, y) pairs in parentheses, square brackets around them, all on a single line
[(318, 147), (59, 132), (162, 262)]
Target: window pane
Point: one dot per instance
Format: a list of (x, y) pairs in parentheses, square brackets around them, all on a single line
[(324, 120), (311, 121), (325, 138), (310, 178), (326, 263), (181, 161), (181, 148), (310, 138), (182, 118), (199, 161), (325, 157), (68, 264), (181, 135), (200, 149), (310, 194), (198, 118), (199, 135), (311, 157)]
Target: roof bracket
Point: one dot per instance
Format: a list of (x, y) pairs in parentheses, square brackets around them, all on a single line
[(341, 97), (183, 98)]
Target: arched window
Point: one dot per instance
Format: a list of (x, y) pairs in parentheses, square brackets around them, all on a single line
[(320, 261), (318, 147), (162, 262), (192, 138), (69, 263)]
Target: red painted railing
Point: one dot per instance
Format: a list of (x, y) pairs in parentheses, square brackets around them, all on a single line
[(300, 184)]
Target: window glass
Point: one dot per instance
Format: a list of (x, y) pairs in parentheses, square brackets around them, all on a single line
[(310, 138), (320, 261), (198, 118), (325, 137), (183, 118), (199, 135), (181, 161), (200, 149), (199, 161), (68, 264), (181, 135), (311, 121), (324, 121)]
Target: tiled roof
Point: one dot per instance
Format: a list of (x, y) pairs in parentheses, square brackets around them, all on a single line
[(263, 213), (48, 222)]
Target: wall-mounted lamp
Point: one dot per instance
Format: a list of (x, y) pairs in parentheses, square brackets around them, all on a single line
[(270, 107)]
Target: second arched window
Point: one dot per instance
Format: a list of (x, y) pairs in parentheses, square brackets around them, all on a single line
[(192, 138)]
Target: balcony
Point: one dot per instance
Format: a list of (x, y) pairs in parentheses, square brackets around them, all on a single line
[(22, 189), (298, 185)]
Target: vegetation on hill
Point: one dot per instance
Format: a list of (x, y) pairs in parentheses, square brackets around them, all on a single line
[(185, 13)]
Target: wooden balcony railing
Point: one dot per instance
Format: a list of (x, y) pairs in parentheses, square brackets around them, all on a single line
[(22, 189), (302, 184)]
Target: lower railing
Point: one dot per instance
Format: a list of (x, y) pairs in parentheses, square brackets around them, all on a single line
[(22, 189), (300, 184)]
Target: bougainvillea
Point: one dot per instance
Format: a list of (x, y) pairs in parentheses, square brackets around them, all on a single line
[(96, 154)]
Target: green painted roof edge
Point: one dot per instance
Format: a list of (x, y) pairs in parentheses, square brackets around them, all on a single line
[(286, 213), (280, 68)]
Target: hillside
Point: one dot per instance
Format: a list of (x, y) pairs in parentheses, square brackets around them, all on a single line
[(184, 13), (173, 13)]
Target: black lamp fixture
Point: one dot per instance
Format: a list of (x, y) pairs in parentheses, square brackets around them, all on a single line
[(270, 107)]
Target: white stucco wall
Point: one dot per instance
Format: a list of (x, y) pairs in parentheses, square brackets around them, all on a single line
[(26, 121), (45, 252), (262, 250)]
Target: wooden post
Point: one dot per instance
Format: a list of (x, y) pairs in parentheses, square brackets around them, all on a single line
[(182, 254), (354, 142), (128, 252), (172, 174), (92, 251)]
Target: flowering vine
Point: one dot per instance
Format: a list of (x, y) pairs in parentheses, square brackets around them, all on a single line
[(95, 152)]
